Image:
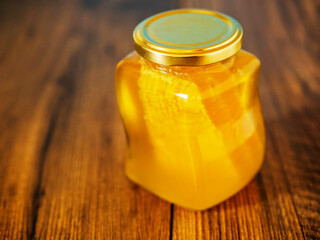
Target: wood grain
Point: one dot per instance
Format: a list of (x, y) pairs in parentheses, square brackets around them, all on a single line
[(62, 143)]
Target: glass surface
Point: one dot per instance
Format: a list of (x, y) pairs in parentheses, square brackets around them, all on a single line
[(195, 133)]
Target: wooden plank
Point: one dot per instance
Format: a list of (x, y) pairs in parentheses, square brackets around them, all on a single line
[(62, 144), (283, 201), (86, 193), (25, 113)]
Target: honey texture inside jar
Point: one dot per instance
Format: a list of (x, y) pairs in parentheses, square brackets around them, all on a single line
[(195, 133)]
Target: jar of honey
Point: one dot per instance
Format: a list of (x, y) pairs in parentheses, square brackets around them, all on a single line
[(188, 97)]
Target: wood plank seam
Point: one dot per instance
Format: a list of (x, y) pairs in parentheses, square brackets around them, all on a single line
[(171, 221), (37, 192)]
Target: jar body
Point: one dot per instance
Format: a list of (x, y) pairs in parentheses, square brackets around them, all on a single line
[(195, 133)]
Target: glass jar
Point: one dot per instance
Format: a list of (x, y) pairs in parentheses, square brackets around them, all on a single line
[(189, 102)]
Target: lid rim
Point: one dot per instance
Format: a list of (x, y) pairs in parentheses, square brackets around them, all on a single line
[(187, 56), (186, 60)]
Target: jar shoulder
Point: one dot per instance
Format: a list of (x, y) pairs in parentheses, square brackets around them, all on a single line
[(127, 70), (129, 62), (246, 61), (241, 64)]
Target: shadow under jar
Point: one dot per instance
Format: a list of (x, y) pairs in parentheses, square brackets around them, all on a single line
[(188, 97)]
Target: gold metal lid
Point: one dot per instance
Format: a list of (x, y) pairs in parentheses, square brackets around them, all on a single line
[(188, 37)]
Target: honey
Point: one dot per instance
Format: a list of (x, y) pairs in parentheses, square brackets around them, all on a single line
[(194, 126)]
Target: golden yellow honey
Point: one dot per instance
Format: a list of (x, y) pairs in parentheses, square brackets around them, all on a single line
[(195, 132)]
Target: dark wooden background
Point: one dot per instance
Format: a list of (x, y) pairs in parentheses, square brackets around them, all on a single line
[(62, 144)]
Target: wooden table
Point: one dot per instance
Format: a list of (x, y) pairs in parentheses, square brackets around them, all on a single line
[(62, 144)]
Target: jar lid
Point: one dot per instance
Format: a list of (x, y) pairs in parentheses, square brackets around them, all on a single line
[(188, 37)]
